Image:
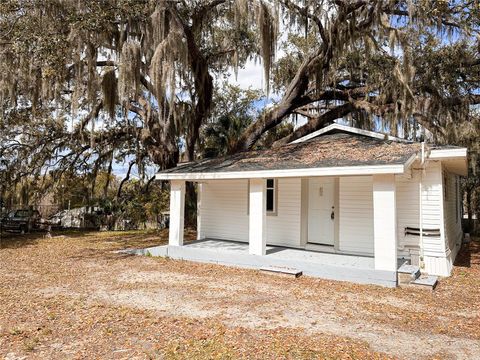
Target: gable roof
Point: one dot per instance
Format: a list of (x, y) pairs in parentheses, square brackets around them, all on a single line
[(348, 129), (338, 153)]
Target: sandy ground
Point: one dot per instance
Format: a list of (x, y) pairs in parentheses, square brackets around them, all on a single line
[(73, 297)]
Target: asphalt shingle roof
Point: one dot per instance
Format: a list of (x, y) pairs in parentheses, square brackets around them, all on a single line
[(328, 150)]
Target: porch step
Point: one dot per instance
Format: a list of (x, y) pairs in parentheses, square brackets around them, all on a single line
[(281, 271), (407, 273), (427, 282)]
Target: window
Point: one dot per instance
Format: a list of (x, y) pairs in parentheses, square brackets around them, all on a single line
[(271, 196), (22, 213), (271, 192)]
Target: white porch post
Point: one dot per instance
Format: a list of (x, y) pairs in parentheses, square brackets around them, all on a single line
[(385, 222), (257, 235), (177, 212)]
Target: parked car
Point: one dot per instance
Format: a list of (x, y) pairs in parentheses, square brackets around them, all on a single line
[(24, 220)]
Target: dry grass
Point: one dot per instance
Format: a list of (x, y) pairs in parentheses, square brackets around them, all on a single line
[(71, 296)]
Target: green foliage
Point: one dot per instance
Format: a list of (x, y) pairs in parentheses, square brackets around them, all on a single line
[(234, 111), (138, 205)]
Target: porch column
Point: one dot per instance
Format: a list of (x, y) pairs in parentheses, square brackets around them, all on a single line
[(385, 222), (177, 212), (257, 235)]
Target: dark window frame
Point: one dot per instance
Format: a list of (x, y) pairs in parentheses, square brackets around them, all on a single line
[(273, 212), (273, 189)]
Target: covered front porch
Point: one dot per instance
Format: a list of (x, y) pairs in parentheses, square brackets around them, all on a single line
[(325, 204), (262, 237), (353, 268)]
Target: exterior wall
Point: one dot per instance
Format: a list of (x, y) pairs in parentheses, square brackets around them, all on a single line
[(356, 214), (407, 210), (224, 212), (408, 207), (284, 227), (385, 222), (451, 205), (437, 214), (452, 213), (434, 253)]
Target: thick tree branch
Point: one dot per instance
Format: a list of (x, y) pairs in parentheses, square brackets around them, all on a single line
[(295, 94), (125, 179), (316, 123)]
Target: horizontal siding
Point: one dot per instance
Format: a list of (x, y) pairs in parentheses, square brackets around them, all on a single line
[(284, 228), (453, 227), (431, 207), (356, 214), (408, 207), (223, 210)]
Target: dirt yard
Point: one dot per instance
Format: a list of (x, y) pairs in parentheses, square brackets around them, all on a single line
[(72, 297)]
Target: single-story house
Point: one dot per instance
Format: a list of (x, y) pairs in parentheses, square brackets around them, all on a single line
[(341, 203)]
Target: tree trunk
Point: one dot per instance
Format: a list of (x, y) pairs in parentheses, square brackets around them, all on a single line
[(290, 101), (296, 94), (469, 210), (316, 123)]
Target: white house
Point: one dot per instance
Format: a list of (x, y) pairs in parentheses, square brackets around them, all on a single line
[(340, 203)]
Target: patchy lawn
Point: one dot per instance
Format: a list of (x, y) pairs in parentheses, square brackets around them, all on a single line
[(71, 296)]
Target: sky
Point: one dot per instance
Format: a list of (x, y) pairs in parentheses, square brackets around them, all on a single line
[(250, 76)]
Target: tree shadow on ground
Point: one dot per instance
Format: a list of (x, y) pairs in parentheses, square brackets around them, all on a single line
[(469, 255), (15, 240), (106, 245)]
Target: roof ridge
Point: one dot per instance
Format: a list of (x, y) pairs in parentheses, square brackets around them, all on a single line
[(351, 130)]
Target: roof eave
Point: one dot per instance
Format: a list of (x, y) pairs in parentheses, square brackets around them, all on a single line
[(455, 160), (289, 173), (446, 154)]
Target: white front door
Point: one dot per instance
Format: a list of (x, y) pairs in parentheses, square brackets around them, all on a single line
[(321, 200)]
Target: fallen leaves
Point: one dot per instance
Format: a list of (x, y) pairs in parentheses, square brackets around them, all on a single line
[(72, 297)]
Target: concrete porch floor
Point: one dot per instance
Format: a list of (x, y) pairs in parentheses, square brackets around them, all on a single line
[(278, 252), (358, 269)]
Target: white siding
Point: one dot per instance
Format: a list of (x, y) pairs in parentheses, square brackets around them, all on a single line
[(432, 208), (224, 212), (356, 214), (284, 228), (436, 215), (408, 207), (453, 226)]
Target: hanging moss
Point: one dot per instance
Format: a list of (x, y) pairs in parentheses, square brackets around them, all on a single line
[(109, 90), (129, 71), (267, 22)]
